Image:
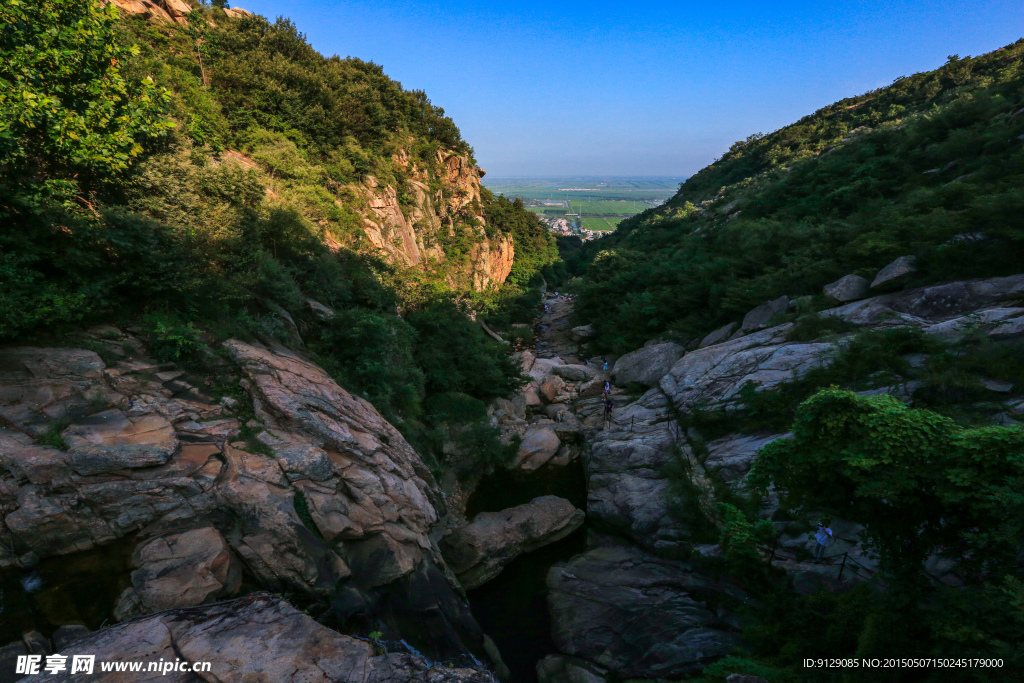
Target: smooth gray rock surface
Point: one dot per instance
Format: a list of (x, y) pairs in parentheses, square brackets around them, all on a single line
[(719, 335), (847, 288), (898, 270), (646, 365), (638, 615), (730, 457), (626, 480), (713, 375), (575, 373), (758, 318)]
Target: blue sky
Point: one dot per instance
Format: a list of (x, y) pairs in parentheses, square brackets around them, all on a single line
[(641, 88)]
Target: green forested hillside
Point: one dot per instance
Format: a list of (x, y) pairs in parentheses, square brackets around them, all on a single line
[(198, 181), (931, 166)]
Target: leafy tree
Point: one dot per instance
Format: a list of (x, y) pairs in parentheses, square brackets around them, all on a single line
[(918, 482), (66, 108)]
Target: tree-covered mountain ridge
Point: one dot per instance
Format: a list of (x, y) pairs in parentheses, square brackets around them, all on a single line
[(906, 170), (404, 185)]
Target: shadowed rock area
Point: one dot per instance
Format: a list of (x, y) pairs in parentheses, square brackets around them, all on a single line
[(257, 638)]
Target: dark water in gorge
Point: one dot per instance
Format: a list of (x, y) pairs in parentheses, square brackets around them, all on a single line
[(78, 588), (512, 608)]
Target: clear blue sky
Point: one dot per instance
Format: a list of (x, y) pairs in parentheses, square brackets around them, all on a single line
[(641, 88)]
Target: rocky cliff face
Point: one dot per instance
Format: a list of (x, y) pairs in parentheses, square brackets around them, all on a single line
[(328, 500), (412, 232)]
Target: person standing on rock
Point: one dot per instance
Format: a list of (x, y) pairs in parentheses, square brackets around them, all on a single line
[(823, 536), (609, 407), (605, 364)]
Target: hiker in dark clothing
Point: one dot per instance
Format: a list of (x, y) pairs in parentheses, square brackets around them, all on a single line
[(609, 407)]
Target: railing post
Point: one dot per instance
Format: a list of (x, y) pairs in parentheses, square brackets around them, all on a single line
[(774, 546), (842, 566)]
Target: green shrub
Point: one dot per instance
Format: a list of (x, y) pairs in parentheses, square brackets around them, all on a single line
[(173, 340)]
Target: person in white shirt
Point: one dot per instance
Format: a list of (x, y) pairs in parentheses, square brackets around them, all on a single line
[(824, 538)]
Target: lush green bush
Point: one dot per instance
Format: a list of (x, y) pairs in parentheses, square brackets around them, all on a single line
[(917, 481), (67, 111)]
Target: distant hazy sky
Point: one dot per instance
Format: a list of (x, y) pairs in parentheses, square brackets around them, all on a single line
[(635, 87)]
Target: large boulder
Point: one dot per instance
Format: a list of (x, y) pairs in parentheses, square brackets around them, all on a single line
[(553, 389), (149, 9), (730, 457), (539, 445), (256, 638), (924, 306), (318, 309), (896, 272), (647, 365), (340, 506), (720, 335), (639, 615), (575, 373), (237, 12), (583, 333), (181, 570), (847, 288), (759, 318), (714, 375), (479, 551)]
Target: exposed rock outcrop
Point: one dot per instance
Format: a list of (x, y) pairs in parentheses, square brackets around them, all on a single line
[(343, 507), (730, 457), (180, 570), (848, 288), (627, 463), (895, 273), (639, 615), (626, 481), (646, 365), (714, 375), (259, 638), (758, 318), (479, 551), (409, 232), (156, 10), (720, 335)]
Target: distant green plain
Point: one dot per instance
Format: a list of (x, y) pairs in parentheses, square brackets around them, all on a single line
[(601, 201)]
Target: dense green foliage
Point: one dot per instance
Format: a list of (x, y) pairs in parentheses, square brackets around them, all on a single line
[(202, 181), (66, 109), (920, 484), (931, 166), (917, 481)]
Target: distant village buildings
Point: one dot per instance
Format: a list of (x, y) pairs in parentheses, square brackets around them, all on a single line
[(567, 227)]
